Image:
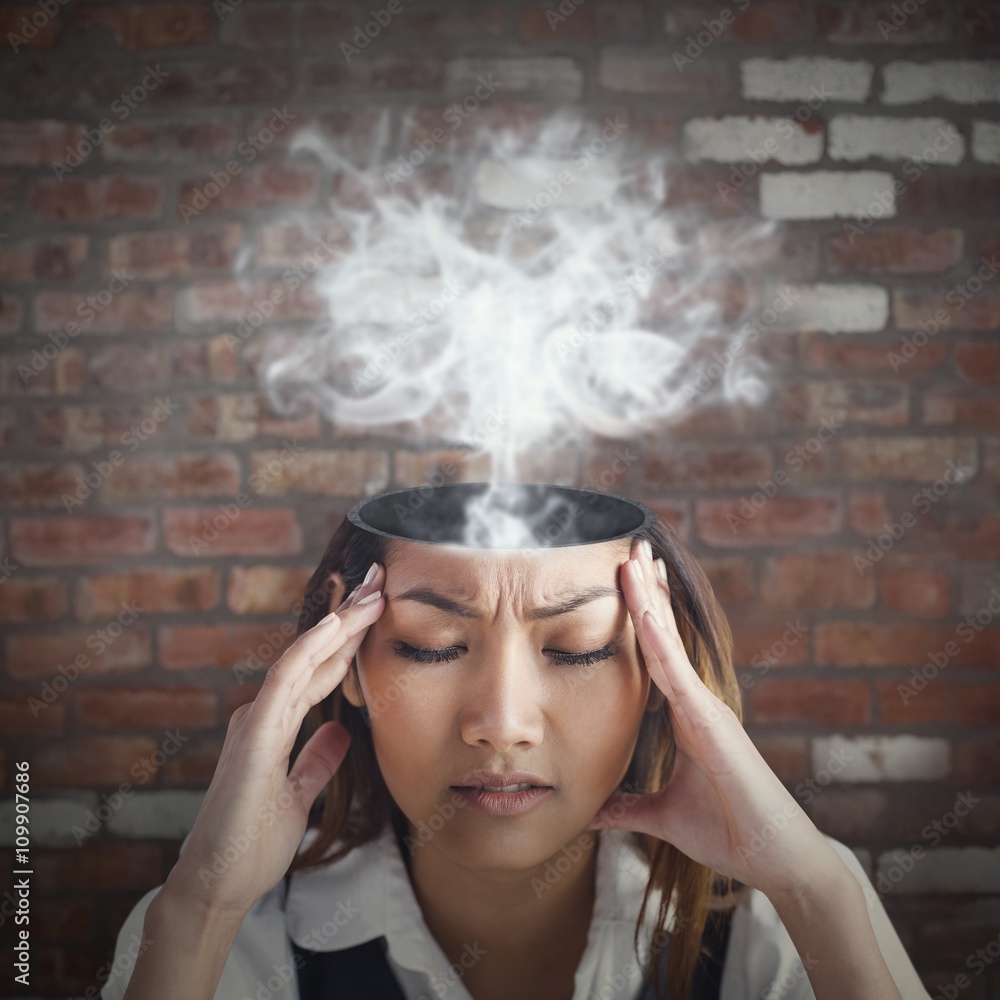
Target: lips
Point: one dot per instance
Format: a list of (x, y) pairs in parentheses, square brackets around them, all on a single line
[(506, 781)]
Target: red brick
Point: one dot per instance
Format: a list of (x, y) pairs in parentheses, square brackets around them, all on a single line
[(189, 647), (8, 425), (979, 362), (982, 22), (162, 254), (196, 768), (68, 921), (258, 26), (644, 71), (675, 514), (169, 141), (956, 406), (27, 26), (36, 143), (827, 354), (977, 704), (769, 21), (936, 193), (244, 416), (916, 459), (125, 311), (896, 250), (98, 868), (156, 590), (43, 598), (108, 649), (976, 763), (217, 81), (770, 642), (47, 258), (912, 308), (149, 25), (733, 580), (414, 70), (127, 369), (536, 24), (255, 590), (332, 473), (88, 762), (252, 187), (82, 428), (286, 242), (105, 707), (11, 313), (820, 580), (213, 531), (239, 694), (150, 476), (38, 485), (63, 541), (877, 644), (787, 756), (853, 24), (913, 585), (707, 189), (115, 196), (867, 512), (803, 701), (844, 401), (781, 519), (64, 373), (20, 717), (221, 301), (901, 704)]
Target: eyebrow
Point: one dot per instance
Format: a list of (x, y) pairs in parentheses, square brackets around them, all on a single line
[(427, 596)]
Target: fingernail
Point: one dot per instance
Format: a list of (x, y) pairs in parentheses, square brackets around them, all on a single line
[(372, 570), (661, 569), (647, 548), (370, 598), (638, 569)]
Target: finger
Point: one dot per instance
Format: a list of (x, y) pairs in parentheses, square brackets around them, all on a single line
[(318, 761), (288, 678), (628, 811)]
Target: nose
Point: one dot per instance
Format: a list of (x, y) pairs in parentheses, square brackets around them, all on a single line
[(504, 706)]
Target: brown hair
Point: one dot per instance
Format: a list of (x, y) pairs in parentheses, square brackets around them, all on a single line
[(356, 805)]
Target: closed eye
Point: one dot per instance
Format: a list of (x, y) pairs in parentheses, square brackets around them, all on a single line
[(420, 655)]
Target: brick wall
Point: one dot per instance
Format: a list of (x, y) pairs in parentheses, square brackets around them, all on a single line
[(850, 525)]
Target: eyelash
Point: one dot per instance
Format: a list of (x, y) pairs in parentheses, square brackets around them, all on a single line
[(404, 649)]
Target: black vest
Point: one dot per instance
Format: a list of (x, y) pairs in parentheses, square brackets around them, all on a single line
[(363, 972)]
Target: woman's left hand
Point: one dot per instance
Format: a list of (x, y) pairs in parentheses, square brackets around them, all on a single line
[(723, 806)]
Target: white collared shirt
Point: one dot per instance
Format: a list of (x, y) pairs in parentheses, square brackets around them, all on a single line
[(368, 894)]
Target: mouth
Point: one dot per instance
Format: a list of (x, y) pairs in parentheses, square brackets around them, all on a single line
[(505, 782)]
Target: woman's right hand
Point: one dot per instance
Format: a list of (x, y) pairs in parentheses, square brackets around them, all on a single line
[(254, 814)]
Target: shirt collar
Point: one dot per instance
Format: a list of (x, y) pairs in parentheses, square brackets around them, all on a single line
[(368, 894)]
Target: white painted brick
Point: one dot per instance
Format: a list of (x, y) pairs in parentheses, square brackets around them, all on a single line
[(857, 137), (555, 76), (964, 81), (165, 815), (942, 869), (986, 141), (806, 78), (834, 309), (735, 138), (827, 194), (516, 185), (883, 758), (52, 819)]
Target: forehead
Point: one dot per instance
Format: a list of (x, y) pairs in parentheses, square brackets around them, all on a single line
[(483, 571)]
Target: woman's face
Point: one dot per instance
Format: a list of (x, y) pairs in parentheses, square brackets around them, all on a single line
[(502, 693)]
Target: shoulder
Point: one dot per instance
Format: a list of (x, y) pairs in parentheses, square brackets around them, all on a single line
[(761, 956)]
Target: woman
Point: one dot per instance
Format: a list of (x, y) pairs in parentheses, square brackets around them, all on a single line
[(536, 783)]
